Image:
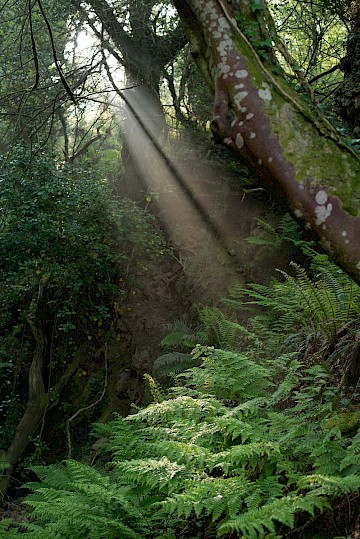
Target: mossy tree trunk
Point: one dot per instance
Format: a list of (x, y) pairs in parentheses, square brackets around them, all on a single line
[(287, 142)]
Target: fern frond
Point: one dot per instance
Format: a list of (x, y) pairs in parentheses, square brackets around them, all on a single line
[(173, 410), (265, 491), (180, 335), (126, 441), (287, 385), (209, 496), (154, 474), (234, 428), (173, 362), (331, 485), (252, 452), (256, 523), (8, 529), (230, 375), (328, 457), (251, 408), (351, 461), (220, 331), (156, 390), (77, 504), (330, 297), (186, 452)]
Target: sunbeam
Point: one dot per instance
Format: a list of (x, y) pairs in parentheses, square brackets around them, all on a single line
[(187, 199)]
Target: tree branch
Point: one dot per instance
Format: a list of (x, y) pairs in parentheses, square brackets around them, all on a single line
[(331, 70)]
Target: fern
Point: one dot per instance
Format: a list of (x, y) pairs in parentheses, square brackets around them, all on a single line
[(351, 461), (331, 485), (245, 454), (220, 331), (181, 335), (299, 306), (210, 496), (153, 474), (8, 529), (288, 231), (184, 338), (173, 363), (280, 310), (227, 375), (286, 386), (257, 522), (247, 439), (215, 329), (74, 500)]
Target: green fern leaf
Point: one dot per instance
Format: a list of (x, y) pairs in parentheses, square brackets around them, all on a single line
[(173, 362), (331, 485), (255, 523)]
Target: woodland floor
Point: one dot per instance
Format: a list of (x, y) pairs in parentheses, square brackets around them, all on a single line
[(207, 260), (210, 255)]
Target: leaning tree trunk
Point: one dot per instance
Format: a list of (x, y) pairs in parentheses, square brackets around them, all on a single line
[(288, 143)]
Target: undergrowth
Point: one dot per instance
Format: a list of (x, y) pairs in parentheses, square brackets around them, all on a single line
[(251, 442), (60, 229)]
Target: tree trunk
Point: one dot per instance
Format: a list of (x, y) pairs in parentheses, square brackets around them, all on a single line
[(289, 144), (37, 395), (347, 96), (144, 52)]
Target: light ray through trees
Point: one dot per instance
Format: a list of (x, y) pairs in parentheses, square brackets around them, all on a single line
[(192, 207)]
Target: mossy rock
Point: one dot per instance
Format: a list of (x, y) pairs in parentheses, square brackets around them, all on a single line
[(345, 422)]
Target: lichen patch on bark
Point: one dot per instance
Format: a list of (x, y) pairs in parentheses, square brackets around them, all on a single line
[(291, 146)]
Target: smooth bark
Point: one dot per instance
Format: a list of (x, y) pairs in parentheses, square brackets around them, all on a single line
[(290, 145)]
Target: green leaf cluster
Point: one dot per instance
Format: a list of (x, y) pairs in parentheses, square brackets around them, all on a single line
[(59, 227)]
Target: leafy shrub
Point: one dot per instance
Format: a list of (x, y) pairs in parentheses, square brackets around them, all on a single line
[(59, 227)]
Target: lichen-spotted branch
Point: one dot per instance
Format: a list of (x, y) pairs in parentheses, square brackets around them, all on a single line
[(296, 152)]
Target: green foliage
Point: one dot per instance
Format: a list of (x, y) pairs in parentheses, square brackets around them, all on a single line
[(86, 504), (172, 363), (226, 374), (221, 331), (287, 231), (257, 522), (299, 309), (252, 30), (215, 329), (331, 300), (182, 337), (56, 227), (30, 86), (241, 445), (59, 227), (315, 35)]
